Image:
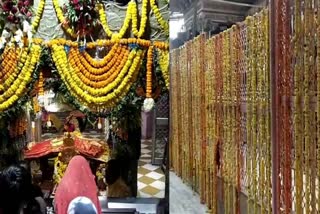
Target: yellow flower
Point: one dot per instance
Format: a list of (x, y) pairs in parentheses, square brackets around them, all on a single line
[(106, 96), (164, 65), (62, 19), (15, 87), (37, 18), (163, 23), (134, 16)]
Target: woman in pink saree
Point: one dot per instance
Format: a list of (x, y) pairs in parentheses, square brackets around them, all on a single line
[(77, 192)]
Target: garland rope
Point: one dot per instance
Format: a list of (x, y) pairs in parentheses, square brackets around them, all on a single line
[(211, 134)]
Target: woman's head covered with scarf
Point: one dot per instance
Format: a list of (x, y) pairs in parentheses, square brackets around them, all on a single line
[(77, 192)]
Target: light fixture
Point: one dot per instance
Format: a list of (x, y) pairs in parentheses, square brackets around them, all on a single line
[(41, 100), (99, 124), (49, 124)]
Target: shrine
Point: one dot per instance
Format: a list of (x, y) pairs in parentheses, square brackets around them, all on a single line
[(78, 78)]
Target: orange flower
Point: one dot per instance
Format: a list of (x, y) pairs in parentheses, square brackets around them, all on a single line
[(149, 72)]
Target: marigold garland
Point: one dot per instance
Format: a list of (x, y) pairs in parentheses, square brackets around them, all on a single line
[(249, 168), (15, 63), (116, 48), (103, 80), (38, 16), (235, 78), (144, 17), (97, 72), (149, 72), (164, 65), (10, 58), (163, 23), (318, 93), (101, 43), (125, 26), (40, 84), (308, 110), (98, 92), (254, 109), (267, 126), (106, 96), (63, 20), (16, 88)]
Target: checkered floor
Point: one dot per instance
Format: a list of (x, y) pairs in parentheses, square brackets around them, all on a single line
[(151, 179)]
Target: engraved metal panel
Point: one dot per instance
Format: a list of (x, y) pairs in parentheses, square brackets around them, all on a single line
[(160, 129)]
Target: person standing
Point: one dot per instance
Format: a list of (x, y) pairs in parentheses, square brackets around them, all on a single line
[(77, 192)]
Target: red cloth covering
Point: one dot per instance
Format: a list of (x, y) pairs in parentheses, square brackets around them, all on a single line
[(88, 147), (39, 150), (78, 180)]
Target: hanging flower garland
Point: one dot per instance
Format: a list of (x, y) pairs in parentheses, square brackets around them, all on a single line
[(16, 88), (267, 127), (40, 85), (163, 23), (125, 26), (163, 56), (149, 102), (63, 20), (10, 58), (100, 72), (149, 72), (110, 86), (115, 50), (317, 91), (100, 81), (144, 17), (106, 43), (106, 96), (132, 14), (10, 69), (250, 154), (38, 16)]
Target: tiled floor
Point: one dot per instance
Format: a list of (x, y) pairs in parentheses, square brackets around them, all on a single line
[(151, 179)]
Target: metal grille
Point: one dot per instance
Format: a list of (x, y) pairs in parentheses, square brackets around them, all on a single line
[(162, 106), (161, 130)]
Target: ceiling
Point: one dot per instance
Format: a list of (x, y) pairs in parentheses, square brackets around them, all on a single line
[(212, 16), (183, 5), (216, 11)]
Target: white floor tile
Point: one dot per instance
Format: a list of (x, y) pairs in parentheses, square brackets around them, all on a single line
[(150, 167), (144, 195), (141, 185), (158, 184), (154, 175), (139, 175), (160, 194)]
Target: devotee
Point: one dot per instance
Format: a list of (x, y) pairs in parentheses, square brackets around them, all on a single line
[(36, 190), (77, 192), (16, 192), (69, 126), (116, 185)]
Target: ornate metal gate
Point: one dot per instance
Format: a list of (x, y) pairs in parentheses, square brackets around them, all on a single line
[(160, 129)]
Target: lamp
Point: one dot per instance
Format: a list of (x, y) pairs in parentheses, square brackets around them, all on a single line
[(49, 124), (99, 124)]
